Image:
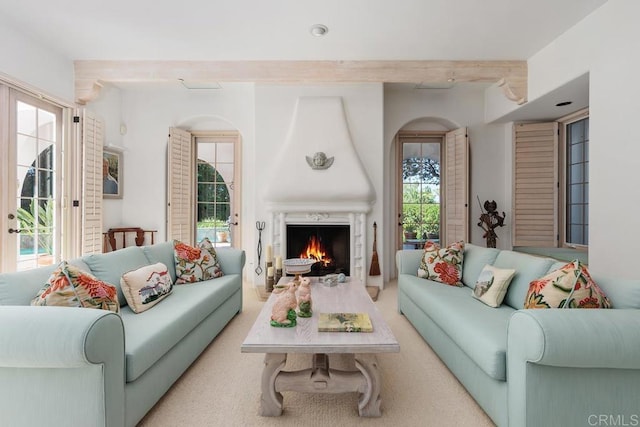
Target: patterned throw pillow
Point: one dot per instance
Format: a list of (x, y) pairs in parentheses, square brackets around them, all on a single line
[(570, 286), (145, 287), (442, 265), (194, 264), (492, 284), (68, 286)]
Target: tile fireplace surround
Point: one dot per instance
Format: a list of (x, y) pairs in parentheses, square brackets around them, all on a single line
[(341, 194)]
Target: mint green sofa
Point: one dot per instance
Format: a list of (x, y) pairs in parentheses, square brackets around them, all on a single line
[(64, 366), (553, 367)]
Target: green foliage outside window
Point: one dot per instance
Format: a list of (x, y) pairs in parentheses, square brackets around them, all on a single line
[(38, 219), (213, 198), (420, 208)]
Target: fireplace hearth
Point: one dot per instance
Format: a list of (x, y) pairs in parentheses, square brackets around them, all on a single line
[(328, 244)]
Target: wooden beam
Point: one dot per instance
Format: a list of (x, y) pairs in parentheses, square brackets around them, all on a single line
[(512, 74)]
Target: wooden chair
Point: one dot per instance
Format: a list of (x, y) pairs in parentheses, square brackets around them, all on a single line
[(111, 243)]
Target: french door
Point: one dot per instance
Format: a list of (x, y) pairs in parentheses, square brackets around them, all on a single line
[(203, 187), (433, 170), (31, 184)]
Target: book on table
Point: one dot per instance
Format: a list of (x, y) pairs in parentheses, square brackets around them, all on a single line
[(344, 322)]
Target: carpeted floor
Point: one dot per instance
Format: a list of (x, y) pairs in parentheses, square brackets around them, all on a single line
[(222, 388)]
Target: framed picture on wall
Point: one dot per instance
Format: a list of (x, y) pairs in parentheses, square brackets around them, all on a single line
[(111, 174)]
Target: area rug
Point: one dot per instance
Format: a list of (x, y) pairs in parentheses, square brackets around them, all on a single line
[(222, 388)]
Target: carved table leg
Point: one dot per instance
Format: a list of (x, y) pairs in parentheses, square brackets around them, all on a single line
[(271, 400), (369, 403)]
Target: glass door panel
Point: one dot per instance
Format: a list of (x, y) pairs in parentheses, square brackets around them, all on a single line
[(216, 172), (35, 138), (420, 203)]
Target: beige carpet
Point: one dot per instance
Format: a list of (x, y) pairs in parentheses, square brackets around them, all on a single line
[(222, 388)]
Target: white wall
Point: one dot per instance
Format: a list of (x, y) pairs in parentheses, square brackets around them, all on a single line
[(108, 107), (363, 104), (463, 105), (35, 64), (148, 111), (605, 45)]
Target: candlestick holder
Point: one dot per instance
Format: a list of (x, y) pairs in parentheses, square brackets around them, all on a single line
[(269, 282)]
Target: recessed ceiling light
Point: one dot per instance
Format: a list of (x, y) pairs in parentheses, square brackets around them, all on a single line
[(319, 30), (563, 103)]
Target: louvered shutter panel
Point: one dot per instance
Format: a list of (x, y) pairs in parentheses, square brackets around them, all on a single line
[(456, 186), (535, 194), (92, 142), (180, 186)]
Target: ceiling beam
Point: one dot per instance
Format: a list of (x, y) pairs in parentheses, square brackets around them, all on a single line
[(511, 75)]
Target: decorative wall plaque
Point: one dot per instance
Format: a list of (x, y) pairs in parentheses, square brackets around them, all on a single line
[(319, 161)]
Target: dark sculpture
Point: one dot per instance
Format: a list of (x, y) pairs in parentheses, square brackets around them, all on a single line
[(489, 220)]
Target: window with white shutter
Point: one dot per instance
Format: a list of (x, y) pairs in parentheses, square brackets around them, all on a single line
[(92, 143), (180, 201), (535, 188), (456, 183)]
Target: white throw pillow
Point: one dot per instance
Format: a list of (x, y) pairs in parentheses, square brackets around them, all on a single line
[(492, 285), (145, 287)]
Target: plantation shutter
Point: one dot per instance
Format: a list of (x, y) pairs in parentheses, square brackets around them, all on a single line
[(180, 186), (92, 142), (535, 189), (456, 221)]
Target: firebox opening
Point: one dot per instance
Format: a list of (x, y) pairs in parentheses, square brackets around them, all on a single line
[(328, 244)]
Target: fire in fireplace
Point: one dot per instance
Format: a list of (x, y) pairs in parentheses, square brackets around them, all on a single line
[(328, 244)]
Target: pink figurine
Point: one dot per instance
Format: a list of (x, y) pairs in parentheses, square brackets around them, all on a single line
[(283, 313)]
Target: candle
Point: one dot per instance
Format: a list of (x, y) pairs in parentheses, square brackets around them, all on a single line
[(269, 253), (270, 272), (279, 262)]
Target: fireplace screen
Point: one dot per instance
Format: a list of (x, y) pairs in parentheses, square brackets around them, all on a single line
[(328, 244)]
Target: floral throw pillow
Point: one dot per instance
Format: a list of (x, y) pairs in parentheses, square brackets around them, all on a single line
[(570, 286), (492, 285), (146, 286), (196, 263), (68, 286), (442, 264)]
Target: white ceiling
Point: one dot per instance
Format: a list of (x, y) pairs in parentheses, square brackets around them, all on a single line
[(279, 29)]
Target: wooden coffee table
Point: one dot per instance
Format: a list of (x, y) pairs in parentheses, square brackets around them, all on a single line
[(350, 296)]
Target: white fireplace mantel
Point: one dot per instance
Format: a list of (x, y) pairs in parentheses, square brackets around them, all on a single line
[(357, 233), (339, 194)]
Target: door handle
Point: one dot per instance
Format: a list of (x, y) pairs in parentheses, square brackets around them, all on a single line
[(13, 230)]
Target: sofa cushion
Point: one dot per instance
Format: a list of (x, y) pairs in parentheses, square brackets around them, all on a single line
[(492, 285), (475, 258), (622, 293), (145, 287), (479, 330), (18, 288), (69, 286), (570, 286), (162, 252), (111, 266), (151, 334), (443, 265), (528, 268), (194, 264)]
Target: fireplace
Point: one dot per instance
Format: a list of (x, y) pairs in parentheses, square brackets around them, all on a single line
[(337, 196), (328, 244)]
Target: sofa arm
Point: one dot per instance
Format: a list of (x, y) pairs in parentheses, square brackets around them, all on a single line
[(569, 366), (408, 261), (64, 352), (577, 338), (231, 260)]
